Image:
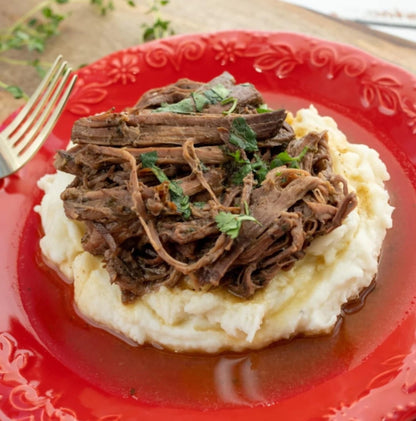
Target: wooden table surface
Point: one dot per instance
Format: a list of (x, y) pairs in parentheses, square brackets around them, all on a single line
[(86, 36)]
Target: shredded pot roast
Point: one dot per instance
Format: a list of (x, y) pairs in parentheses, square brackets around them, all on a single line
[(200, 183)]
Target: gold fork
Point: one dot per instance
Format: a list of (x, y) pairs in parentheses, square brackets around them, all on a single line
[(23, 137)]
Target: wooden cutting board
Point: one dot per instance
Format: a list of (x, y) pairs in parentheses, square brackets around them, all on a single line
[(86, 36)]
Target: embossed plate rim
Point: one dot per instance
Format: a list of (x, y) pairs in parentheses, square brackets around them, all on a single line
[(385, 91)]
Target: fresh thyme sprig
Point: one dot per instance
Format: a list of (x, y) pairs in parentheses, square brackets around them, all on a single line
[(160, 27), (32, 31), (105, 6)]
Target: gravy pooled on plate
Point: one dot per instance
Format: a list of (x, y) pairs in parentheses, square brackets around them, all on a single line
[(201, 220)]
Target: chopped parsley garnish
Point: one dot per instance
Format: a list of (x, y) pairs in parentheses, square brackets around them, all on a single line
[(258, 167), (186, 106), (243, 168), (199, 204), (197, 101), (180, 199), (149, 160), (232, 100), (177, 195), (200, 101), (263, 108), (242, 135), (237, 157), (230, 223), (217, 93), (242, 171), (283, 158)]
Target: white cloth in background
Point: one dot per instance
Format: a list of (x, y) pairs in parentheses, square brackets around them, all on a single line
[(396, 17)]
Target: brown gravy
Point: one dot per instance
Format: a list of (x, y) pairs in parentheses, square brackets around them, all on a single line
[(155, 376)]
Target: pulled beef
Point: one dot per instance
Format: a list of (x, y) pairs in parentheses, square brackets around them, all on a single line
[(247, 96), (170, 94), (156, 225), (157, 129)]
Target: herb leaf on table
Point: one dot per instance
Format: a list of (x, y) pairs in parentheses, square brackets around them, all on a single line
[(31, 32)]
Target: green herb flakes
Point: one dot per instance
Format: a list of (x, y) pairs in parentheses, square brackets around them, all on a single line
[(230, 223), (216, 94), (197, 101), (177, 195), (149, 159), (242, 135), (263, 108), (199, 205), (186, 106), (283, 158), (257, 166), (200, 101), (233, 101)]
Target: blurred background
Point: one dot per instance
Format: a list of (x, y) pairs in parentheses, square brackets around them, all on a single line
[(394, 17), (34, 32)]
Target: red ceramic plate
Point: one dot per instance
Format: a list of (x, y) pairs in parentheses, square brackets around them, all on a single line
[(55, 366)]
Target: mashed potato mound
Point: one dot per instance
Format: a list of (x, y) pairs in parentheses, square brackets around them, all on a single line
[(305, 300)]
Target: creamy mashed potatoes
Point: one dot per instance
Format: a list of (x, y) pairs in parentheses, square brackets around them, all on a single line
[(305, 300)]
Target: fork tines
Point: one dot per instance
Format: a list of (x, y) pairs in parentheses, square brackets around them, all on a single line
[(27, 132)]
